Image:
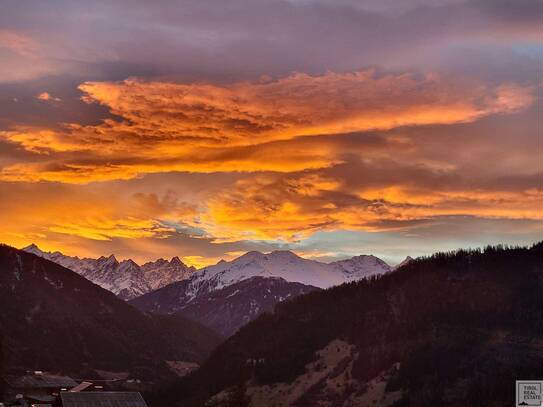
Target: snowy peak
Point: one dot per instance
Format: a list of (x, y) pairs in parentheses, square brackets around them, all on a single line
[(362, 266), (128, 265), (286, 255), (288, 266), (108, 263), (282, 264), (176, 262), (126, 278), (33, 249), (275, 256), (153, 264), (248, 258), (163, 272)]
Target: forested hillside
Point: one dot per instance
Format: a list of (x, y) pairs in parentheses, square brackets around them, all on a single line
[(53, 319), (454, 329)]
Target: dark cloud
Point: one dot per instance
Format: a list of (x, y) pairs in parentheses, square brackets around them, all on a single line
[(246, 39)]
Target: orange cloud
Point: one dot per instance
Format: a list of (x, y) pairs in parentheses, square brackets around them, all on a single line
[(293, 207), (45, 214), (239, 127), (47, 97), (101, 228), (300, 104), (40, 141), (295, 172)]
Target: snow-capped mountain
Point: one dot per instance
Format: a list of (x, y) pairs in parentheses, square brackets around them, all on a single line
[(363, 266), (126, 278), (162, 272), (129, 280), (229, 294), (288, 266)]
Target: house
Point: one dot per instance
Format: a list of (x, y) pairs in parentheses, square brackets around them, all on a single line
[(46, 390), (37, 388)]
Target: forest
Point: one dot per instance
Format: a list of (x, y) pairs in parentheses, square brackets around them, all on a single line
[(463, 325)]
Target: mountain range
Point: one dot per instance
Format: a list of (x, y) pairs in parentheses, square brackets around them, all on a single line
[(224, 296), (126, 278), (452, 329), (288, 266), (129, 280), (54, 319), (227, 295)]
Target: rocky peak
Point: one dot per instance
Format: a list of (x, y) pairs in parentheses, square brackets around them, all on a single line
[(34, 249), (176, 261)]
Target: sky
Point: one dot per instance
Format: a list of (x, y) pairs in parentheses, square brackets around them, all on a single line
[(333, 128)]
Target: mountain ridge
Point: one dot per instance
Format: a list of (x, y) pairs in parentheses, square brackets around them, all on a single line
[(55, 319), (224, 310), (126, 278), (289, 266), (227, 295), (129, 280)]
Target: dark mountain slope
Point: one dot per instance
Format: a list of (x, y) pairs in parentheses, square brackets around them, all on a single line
[(165, 300), (224, 310), (54, 319), (227, 310), (454, 329)]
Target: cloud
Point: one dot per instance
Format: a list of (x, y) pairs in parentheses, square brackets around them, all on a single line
[(165, 126), (389, 196), (300, 104), (381, 6), (249, 38), (39, 211), (491, 170), (17, 42), (21, 57), (143, 219), (46, 97)]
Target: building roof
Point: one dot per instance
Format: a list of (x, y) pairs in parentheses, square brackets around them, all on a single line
[(42, 398), (102, 399), (81, 386), (41, 381)]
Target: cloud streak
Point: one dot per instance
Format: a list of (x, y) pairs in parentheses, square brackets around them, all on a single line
[(400, 196)]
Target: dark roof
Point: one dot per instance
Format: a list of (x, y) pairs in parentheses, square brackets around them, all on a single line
[(102, 399), (40, 381), (43, 398)]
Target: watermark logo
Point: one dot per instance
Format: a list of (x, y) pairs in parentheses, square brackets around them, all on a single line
[(529, 392)]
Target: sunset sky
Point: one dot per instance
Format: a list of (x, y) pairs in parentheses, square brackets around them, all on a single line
[(333, 128)]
